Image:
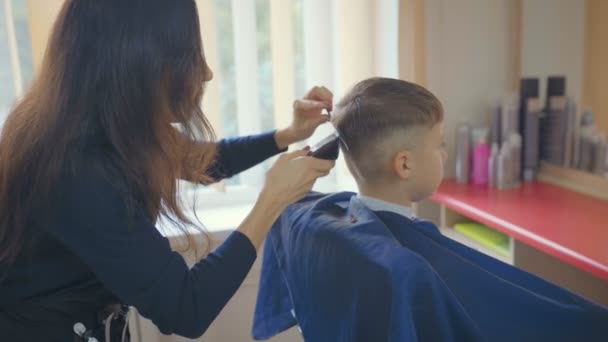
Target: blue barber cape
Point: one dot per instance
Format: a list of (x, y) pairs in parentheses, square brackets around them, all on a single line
[(345, 273)]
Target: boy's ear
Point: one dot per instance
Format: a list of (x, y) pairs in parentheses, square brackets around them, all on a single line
[(402, 164)]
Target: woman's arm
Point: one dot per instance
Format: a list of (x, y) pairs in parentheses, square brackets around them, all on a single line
[(235, 155), (239, 154), (131, 258)]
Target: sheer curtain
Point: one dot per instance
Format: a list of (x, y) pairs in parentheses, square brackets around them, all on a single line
[(15, 53)]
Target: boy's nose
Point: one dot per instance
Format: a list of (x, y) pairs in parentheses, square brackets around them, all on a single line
[(208, 73)]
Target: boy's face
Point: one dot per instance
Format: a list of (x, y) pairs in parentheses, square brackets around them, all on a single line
[(428, 159)]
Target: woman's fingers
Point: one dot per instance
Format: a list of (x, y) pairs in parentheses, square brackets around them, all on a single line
[(316, 168), (295, 154), (314, 175), (307, 105), (306, 188), (320, 93), (321, 165), (294, 174)]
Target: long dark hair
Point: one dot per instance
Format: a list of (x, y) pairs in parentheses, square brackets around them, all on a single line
[(117, 73)]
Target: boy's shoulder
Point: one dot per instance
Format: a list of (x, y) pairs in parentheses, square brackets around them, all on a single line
[(370, 230)]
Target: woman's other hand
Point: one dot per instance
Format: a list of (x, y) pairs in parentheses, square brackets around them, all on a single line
[(307, 116), (290, 178), (293, 175)]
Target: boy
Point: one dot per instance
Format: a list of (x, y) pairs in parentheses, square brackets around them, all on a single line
[(360, 267), (393, 131)]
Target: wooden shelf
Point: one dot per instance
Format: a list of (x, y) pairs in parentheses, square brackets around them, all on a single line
[(575, 180)]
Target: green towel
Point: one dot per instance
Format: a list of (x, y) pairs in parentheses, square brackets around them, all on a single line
[(488, 237)]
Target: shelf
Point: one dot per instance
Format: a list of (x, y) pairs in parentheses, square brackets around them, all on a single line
[(576, 180), (564, 224), (492, 239), (469, 242)]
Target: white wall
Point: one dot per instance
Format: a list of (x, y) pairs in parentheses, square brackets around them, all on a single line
[(553, 38), (469, 59)]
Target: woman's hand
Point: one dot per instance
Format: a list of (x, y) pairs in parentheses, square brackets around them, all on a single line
[(307, 116), (293, 175), (290, 178)]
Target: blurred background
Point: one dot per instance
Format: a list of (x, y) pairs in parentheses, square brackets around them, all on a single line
[(523, 83), (472, 54)]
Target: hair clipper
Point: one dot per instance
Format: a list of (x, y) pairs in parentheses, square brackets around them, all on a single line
[(328, 148)]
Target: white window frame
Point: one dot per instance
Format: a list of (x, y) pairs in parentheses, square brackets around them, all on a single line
[(325, 36), (13, 48)]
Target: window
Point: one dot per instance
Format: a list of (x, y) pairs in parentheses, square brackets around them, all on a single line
[(16, 66), (266, 53), (239, 33)]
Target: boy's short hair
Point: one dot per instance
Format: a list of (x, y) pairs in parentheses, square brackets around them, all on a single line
[(379, 110)]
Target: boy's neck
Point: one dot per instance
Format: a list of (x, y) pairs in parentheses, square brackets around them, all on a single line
[(386, 193)]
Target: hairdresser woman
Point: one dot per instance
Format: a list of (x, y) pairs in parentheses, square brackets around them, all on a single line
[(89, 159)]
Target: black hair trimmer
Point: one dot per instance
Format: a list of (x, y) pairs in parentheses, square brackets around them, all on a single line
[(328, 148)]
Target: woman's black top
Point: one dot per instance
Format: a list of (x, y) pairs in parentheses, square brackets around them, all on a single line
[(95, 251)]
